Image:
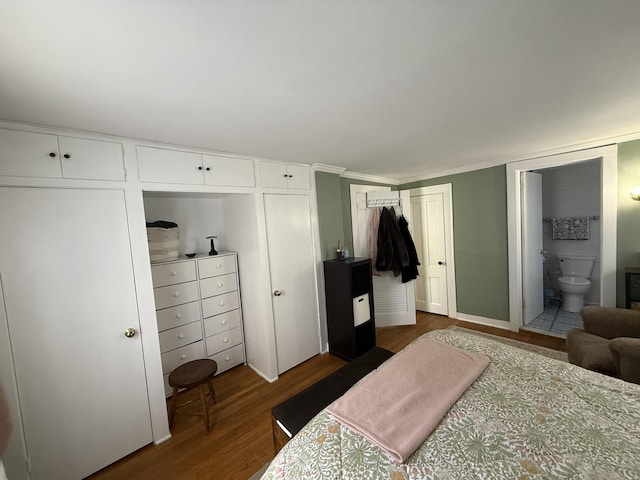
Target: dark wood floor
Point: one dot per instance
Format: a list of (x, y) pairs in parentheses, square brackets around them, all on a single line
[(241, 441)]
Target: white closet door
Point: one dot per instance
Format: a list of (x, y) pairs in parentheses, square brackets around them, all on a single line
[(291, 263), (69, 294)]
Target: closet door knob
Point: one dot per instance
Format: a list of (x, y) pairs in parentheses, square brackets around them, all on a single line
[(440, 263), (66, 155), (277, 293), (130, 332), (52, 154), (200, 167), (208, 169)]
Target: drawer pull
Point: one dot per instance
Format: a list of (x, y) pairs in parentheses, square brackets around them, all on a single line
[(221, 304), (226, 340), (182, 357), (176, 294), (173, 274), (226, 359), (178, 315), (223, 322), (220, 285), (219, 265), (181, 336)]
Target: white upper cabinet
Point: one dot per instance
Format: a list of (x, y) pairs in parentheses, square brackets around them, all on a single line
[(91, 159), (169, 166), (285, 175), (173, 166), (235, 172), (28, 154)]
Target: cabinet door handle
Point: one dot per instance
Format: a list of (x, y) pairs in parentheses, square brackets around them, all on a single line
[(208, 169), (66, 155), (52, 154), (200, 167)]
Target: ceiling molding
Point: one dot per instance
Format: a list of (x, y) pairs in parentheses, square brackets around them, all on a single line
[(544, 153), (370, 178), (322, 167)]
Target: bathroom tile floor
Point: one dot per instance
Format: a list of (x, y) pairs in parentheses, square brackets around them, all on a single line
[(554, 321)]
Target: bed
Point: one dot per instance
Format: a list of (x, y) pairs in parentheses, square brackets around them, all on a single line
[(526, 416)]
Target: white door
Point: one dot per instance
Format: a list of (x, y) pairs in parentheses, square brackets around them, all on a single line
[(69, 294), (394, 302), (291, 263), (429, 237), (532, 249)]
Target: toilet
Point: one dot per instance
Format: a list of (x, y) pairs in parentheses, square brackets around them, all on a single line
[(574, 282)]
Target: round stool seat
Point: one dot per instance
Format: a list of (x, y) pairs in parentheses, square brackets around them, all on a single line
[(193, 373), (196, 373)]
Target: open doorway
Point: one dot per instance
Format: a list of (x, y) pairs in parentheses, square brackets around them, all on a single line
[(524, 281), (561, 214)]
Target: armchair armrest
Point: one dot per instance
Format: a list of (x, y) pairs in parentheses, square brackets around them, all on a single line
[(611, 322), (626, 352)]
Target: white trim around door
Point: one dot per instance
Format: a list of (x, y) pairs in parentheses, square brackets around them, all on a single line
[(608, 222)]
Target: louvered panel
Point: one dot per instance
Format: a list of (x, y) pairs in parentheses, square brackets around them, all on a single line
[(390, 295)]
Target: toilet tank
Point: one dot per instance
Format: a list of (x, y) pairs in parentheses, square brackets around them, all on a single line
[(576, 265)]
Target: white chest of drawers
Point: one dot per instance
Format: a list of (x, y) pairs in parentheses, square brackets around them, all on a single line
[(188, 291), (221, 310)]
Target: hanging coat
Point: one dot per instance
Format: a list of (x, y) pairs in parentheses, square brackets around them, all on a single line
[(392, 252), (410, 272)]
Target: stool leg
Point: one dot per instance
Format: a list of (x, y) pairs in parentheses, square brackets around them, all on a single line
[(205, 410), (213, 394), (172, 405)]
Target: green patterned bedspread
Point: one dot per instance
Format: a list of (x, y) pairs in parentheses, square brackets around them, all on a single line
[(526, 417)]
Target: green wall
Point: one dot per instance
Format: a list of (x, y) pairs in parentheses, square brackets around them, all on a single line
[(330, 208), (480, 229), (480, 240), (628, 244)]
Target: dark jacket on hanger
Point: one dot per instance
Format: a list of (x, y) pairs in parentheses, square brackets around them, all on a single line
[(410, 272), (392, 252)]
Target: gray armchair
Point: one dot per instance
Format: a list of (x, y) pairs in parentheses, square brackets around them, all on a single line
[(609, 343)]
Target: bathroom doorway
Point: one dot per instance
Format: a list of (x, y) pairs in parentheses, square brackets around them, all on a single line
[(561, 215), (562, 197)]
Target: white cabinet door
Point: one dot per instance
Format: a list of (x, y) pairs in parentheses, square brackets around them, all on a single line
[(170, 166), (274, 175), (91, 159), (291, 263), (227, 171), (298, 177), (69, 297), (27, 154), (285, 175)]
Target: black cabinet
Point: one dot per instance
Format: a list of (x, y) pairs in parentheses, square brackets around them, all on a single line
[(351, 324), (632, 287)]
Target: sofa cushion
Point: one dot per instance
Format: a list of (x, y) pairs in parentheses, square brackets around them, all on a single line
[(590, 352)]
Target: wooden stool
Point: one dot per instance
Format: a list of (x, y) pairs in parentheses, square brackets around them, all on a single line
[(192, 374)]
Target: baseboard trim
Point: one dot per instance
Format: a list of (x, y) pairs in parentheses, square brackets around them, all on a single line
[(270, 380), (490, 322)]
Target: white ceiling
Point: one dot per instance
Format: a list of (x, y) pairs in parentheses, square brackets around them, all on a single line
[(389, 88)]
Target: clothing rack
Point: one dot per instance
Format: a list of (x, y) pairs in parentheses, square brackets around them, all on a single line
[(593, 217), (392, 200)]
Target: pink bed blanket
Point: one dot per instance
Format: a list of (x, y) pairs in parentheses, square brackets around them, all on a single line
[(398, 405)]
